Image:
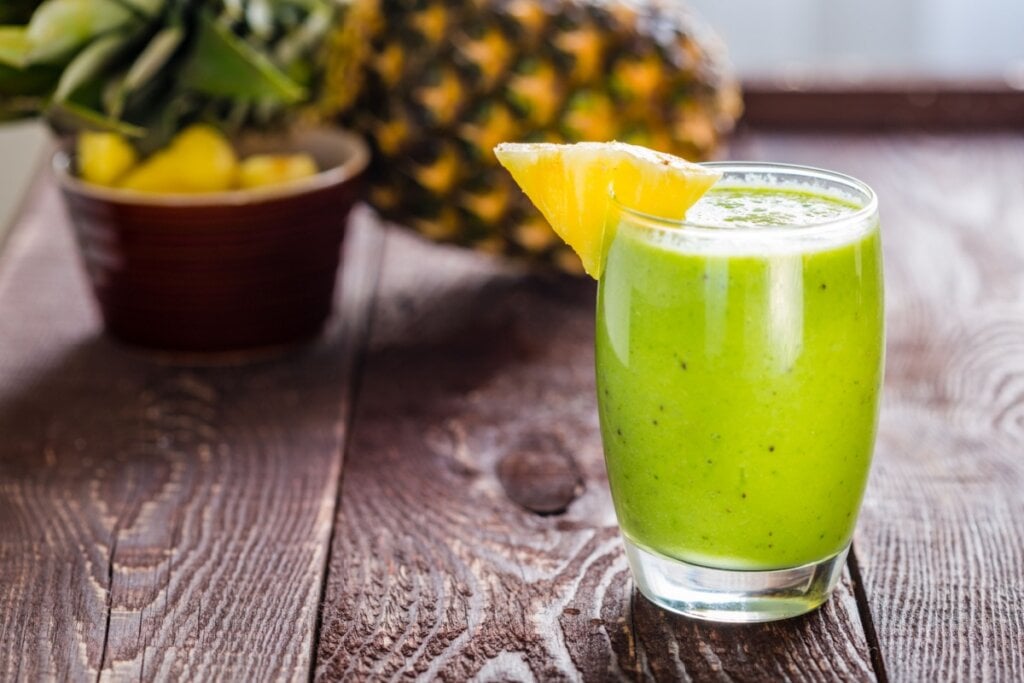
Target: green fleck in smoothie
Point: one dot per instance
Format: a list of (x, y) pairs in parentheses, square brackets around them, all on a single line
[(738, 385)]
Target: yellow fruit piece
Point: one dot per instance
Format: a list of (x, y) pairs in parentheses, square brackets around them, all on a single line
[(206, 158), (159, 173), (103, 158), (261, 170), (572, 185), (199, 159)]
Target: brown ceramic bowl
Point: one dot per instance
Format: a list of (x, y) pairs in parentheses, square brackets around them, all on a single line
[(220, 272)]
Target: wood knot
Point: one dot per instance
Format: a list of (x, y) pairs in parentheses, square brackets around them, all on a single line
[(540, 475)]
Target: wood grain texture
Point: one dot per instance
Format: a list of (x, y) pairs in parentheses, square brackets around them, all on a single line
[(941, 536), (162, 520), (439, 569), (158, 520)]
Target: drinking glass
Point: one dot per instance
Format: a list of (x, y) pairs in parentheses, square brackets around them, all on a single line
[(739, 369)]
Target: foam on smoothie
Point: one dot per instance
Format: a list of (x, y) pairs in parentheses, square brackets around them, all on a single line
[(767, 207), (754, 218)]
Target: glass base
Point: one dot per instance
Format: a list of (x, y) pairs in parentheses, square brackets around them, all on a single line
[(733, 596)]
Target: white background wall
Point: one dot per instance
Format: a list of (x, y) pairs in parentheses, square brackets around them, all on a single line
[(21, 146), (872, 38)]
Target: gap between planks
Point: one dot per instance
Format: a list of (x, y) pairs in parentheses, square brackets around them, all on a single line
[(366, 298), (867, 621)]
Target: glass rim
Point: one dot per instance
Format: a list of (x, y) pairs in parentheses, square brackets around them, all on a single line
[(830, 225)]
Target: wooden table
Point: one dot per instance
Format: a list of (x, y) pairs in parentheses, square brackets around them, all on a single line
[(366, 507)]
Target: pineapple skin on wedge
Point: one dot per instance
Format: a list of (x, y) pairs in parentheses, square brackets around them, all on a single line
[(573, 187)]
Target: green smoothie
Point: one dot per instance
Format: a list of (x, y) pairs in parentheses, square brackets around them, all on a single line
[(738, 379)]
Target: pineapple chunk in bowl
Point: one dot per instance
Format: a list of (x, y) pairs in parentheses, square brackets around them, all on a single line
[(218, 271)]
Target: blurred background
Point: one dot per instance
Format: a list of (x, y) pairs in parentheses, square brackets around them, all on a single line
[(21, 145), (929, 57), (859, 41)]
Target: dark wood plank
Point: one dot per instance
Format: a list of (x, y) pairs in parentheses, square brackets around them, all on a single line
[(437, 572), (875, 106), (941, 537), (159, 520)]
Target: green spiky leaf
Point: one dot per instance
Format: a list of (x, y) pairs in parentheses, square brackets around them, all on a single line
[(224, 65), (59, 28), (89, 64), (305, 37), (153, 58), (73, 116), (112, 94), (13, 46)]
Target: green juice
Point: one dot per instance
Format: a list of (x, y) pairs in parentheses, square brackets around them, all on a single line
[(738, 380)]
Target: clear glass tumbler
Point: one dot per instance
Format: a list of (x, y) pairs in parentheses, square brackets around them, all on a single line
[(739, 365)]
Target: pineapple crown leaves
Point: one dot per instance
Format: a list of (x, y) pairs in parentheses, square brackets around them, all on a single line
[(145, 67), (223, 65)]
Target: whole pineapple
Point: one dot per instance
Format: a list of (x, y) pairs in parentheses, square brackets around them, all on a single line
[(433, 84)]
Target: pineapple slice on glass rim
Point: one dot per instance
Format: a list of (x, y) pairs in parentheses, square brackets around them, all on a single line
[(572, 186)]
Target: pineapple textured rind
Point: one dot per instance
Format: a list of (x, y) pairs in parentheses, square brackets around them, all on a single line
[(442, 83)]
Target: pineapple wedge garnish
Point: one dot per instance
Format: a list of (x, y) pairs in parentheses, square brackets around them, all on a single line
[(573, 186)]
